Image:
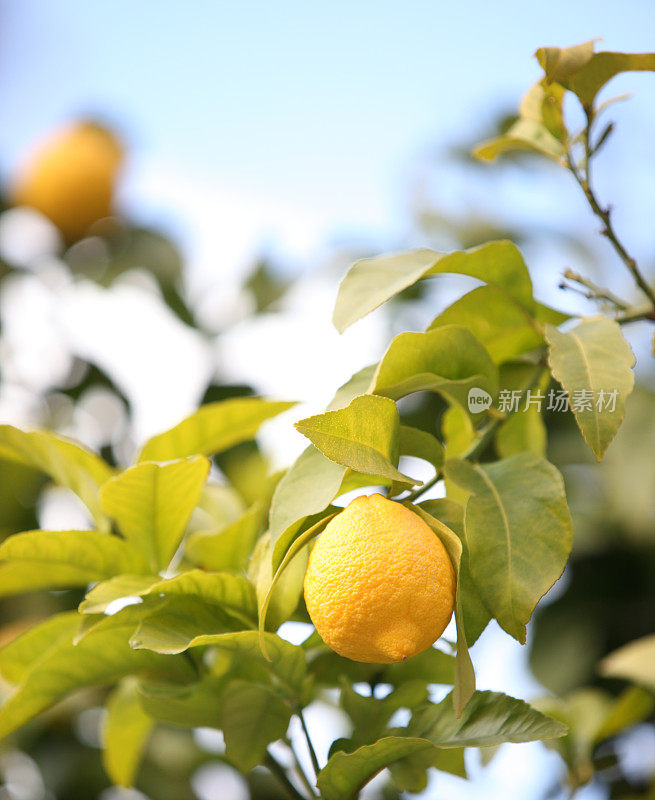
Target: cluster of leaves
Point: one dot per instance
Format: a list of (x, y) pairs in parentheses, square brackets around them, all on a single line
[(505, 524), (188, 576)]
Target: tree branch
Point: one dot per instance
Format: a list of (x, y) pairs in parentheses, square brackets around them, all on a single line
[(274, 766), (604, 214)]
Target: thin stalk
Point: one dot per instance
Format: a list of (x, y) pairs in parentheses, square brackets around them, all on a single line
[(604, 214), (276, 769), (595, 292), (310, 746), (423, 489), (301, 772)]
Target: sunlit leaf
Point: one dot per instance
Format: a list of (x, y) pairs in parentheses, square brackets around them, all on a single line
[(125, 733), (228, 548), (213, 428), (363, 436), (152, 504), (309, 486), (346, 774), (496, 320), (584, 72), (20, 653), (103, 656), (57, 559), (371, 282), (633, 662), (177, 622), (67, 463), (447, 360), (593, 362), (232, 593)]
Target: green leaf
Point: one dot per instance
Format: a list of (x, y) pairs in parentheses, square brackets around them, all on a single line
[(561, 63), (251, 717), (584, 72), (448, 360), (310, 485), (20, 653), (633, 662), (346, 774), (152, 504), (410, 773), (432, 666), (420, 444), (525, 429), (592, 716), (370, 715), (518, 531), (457, 430), (67, 463), (464, 673), (213, 428), (593, 362), (490, 718), (175, 624), (126, 730), (475, 616), (539, 128), (285, 661), (195, 705), (99, 598), (103, 656), (496, 320), (273, 586), (228, 548), (358, 384), (371, 282), (58, 559), (363, 436), (630, 707), (233, 593), (525, 134)]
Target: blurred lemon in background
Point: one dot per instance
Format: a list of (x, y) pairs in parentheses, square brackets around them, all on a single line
[(379, 585), (71, 177)]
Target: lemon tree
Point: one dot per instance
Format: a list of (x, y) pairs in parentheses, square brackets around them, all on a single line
[(187, 574)]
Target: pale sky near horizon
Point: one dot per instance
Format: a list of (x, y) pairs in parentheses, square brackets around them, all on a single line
[(286, 124)]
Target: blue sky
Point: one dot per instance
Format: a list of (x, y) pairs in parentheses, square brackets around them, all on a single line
[(307, 109)]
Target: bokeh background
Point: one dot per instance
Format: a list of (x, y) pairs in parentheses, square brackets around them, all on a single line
[(266, 146)]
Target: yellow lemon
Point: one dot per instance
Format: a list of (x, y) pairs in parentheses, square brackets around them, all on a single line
[(379, 585), (71, 178)]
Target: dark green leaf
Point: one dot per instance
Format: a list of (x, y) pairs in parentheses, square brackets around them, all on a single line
[(518, 531)]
